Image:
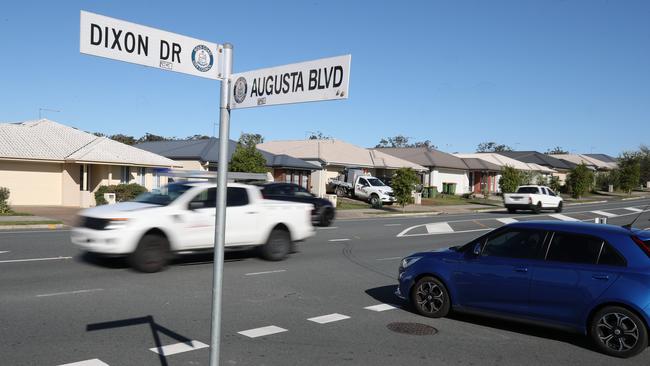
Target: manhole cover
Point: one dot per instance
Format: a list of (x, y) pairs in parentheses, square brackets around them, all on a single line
[(412, 328)]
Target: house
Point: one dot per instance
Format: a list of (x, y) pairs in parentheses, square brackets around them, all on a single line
[(334, 156), (503, 161), (484, 176), (46, 163), (561, 167), (590, 161), (204, 155), (446, 172)]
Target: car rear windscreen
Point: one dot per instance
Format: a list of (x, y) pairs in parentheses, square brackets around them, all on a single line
[(528, 190)]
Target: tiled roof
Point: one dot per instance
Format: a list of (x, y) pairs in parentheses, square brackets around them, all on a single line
[(48, 140), (538, 158), (426, 157)]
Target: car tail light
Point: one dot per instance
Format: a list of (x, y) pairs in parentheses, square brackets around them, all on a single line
[(645, 246)]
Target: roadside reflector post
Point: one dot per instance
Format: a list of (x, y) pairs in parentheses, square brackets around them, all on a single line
[(220, 218)]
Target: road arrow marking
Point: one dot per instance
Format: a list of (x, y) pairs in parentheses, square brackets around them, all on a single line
[(173, 349)]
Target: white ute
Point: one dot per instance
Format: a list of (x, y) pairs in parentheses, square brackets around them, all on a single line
[(181, 217), (535, 198)]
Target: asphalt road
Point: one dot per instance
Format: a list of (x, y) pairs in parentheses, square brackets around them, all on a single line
[(58, 306)]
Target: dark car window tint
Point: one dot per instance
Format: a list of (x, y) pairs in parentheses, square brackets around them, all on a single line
[(515, 244), (237, 196), (532, 190), (574, 248), (609, 256), (207, 198)]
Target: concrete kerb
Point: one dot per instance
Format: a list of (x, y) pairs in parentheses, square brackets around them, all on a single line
[(585, 203), (634, 198), (35, 226)]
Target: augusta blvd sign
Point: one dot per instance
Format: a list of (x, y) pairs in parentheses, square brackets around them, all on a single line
[(119, 40), (310, 81)]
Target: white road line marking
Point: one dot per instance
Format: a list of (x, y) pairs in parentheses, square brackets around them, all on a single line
[(338, 239), (633, 209), (327, 228), (438, 228), (563, 217), (380, 307), (265, 272), (173, 349), (324, 319), (93, 362), (71, 292), (507, 220), (393, 225), (4, 251), (388, 259), (263, 331), (603, 213), (35, 259)]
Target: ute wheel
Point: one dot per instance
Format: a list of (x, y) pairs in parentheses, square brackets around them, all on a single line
[(430, 298), (277, 247), (618, 332), (512, 210), (374, 199), (340, 192), (538, 208), (559, 207), (151, 254), (326, 217)]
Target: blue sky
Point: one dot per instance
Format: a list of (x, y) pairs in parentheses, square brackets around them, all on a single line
[(529, 74)]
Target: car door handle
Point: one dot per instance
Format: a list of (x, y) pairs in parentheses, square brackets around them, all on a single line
[(521, 269), (603, 277), (251, 212)]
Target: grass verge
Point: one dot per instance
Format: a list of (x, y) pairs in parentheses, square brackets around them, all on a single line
[(12, 223)]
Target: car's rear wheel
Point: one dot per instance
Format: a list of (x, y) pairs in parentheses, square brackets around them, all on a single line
[(559, 207), (340, 192), (430, 297), (326, 217), (151, 255), (538, 208), (277, 246), (618, 332)]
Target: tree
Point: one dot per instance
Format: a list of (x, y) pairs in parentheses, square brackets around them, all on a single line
[(492, 147), (644, 164), (555, 184), (629, 165), (251, 138), (4, 197), (403, 141), (318, 135), (150, 137), (579, 180), (125, 139), (198, 137), (555, 151), (246, 158), (403, 183), (510, 179)]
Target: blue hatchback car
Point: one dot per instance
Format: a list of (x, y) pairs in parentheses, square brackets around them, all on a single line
[(594, 279)]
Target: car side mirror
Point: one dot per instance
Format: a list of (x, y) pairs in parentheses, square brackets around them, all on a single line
[(477, 249), (195, 205)]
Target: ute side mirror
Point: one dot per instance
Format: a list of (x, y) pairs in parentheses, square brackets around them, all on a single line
[(477, 249)]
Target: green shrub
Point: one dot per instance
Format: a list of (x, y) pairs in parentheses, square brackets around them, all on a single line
[(511, 178), (123, 192), (4, 196), (403, 183), (580, 180)]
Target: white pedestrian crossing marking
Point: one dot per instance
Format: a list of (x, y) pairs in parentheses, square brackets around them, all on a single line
[(380, 307), (603, 213), (93, 362), (439, 228), (344, 239), (563, 217), (263, 331), (507, 220), (324, 319), (173, 349), (633, 209)]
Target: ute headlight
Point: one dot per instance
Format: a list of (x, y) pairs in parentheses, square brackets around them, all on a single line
[(409, 260), (116, 223)]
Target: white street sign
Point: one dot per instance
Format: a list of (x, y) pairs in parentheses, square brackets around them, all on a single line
[(310, 81), (116, 39)]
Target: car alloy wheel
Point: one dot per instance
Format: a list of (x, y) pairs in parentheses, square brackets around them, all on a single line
[(429, 297), (617, 332)]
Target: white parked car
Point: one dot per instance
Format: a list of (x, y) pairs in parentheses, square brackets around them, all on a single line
[(535, 198), (181, 217)]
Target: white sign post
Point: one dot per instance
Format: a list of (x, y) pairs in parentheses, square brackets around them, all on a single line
[(119, 40), (324, 79)]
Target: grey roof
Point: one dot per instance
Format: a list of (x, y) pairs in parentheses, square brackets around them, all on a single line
[(48, 140), (480, 164), (536, 157), (207, 150), (425, 157), (602, 157)]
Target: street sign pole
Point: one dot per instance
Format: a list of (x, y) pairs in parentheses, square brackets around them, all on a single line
[(220, 220)]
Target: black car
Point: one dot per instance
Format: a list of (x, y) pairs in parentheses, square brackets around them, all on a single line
[(323, 212)]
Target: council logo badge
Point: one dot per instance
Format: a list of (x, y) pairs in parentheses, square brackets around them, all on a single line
[(202, 58), (240, 89)]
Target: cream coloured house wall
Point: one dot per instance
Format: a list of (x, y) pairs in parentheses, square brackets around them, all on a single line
[(32, 183), (439, 176), (191, 165)]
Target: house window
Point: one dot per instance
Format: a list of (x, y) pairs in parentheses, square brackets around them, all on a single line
[(124, 174), (142, 172), (287, 177)]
